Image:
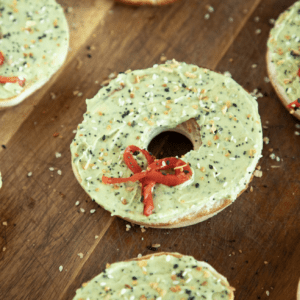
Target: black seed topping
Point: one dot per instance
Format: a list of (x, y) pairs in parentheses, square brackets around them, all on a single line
[(152, 248), (188, 292), (126, 113), (180, 275)]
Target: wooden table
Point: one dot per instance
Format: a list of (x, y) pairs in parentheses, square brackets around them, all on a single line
[(255, 242)]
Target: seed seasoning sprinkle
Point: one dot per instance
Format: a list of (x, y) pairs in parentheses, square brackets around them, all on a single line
[(258, 31), (210, 9), (57, 154), (258, 173)]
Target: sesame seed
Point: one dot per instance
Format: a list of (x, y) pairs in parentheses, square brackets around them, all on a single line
[(258, 31), (57, 154)]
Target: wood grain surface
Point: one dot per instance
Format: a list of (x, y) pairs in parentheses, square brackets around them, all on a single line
[(255, 242)]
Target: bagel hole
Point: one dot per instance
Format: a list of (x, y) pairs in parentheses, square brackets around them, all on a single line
[(170, 144)]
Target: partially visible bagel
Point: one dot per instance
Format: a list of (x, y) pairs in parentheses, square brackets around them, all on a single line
[(34, 43), (283, 57), (158, 276)]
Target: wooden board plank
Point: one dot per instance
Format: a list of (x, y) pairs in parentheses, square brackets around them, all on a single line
[(45, 229)]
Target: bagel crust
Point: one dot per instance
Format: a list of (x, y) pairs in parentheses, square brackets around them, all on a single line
[(139, 105), (158, 276), (34, 43), (283, 57), (146, 2)]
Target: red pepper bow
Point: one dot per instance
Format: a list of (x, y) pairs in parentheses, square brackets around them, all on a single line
[(13, 79), (152, 175)]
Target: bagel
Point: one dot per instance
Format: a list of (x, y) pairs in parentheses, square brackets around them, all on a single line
[(137, 106), (283, 58), (158, 276), (34, 44)]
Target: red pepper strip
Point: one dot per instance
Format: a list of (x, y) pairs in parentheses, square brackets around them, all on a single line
[(152, 175), (136, 177), (1, 58), (299, 72), (131, 162), (148, 200), (13, 79), (295, 104)]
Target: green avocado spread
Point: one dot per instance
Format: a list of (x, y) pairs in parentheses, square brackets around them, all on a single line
[(160, 277), (138, 105), (283, 45)]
